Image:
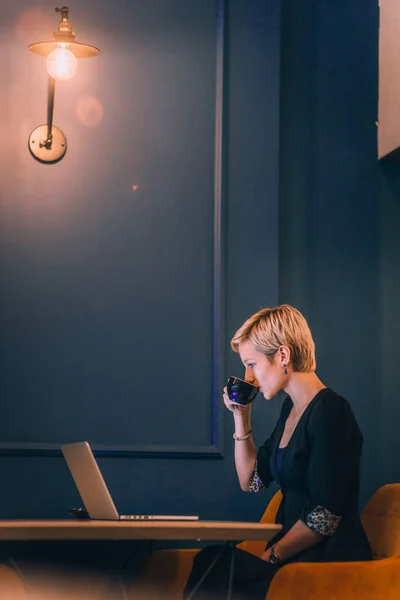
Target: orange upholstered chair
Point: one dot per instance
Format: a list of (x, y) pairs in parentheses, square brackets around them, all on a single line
[(381, 521), (370, 580), (11, 585), (166, 571)]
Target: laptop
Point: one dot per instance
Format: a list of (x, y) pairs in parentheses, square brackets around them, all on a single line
[(94, 491)]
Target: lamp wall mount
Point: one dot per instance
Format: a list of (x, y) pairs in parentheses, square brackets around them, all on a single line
[(47, 148)]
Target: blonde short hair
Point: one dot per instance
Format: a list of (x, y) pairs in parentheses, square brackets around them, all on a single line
[(271, 328)]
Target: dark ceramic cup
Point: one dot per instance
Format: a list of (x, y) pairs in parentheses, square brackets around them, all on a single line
[(241, 392)]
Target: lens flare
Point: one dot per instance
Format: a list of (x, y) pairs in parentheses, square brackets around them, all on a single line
[(89, 111)]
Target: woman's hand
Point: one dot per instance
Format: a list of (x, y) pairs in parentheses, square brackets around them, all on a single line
[(237, 409), (265, 555)]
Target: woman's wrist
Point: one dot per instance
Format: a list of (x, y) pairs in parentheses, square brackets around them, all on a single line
[(280, 551), (242, 438), (242, 427), (243, 417)]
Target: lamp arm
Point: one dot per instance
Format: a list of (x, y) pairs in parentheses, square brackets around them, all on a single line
[(47, 143), (50, 110)]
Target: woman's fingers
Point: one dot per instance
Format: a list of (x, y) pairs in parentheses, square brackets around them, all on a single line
[(232, 406)]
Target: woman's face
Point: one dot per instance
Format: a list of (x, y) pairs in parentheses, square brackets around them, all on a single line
[(268, 376)]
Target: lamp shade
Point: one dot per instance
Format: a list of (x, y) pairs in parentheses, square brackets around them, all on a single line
[(64, 35), (78, 49)]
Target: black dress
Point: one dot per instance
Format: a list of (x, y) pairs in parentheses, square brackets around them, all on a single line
[(319, 477)]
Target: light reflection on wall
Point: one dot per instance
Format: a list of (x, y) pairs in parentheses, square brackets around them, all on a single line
[(89, 111), (34, 23)]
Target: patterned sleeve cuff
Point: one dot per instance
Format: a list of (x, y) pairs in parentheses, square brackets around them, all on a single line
[(322, 521), (255, 483)]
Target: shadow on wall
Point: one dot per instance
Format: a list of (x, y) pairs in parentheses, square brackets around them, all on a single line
[(390, 321)]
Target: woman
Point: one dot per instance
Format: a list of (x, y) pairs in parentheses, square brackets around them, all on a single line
[(313, 454)]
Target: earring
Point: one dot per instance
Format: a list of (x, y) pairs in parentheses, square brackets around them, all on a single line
[(285, 369)]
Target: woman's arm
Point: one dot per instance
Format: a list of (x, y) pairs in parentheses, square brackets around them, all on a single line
[(252, 466), (245, 450), (298, 538)]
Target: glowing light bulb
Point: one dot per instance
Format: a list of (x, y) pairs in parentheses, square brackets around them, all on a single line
[(61, 64)]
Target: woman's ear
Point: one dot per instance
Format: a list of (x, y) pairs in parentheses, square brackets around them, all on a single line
[(284, 355)]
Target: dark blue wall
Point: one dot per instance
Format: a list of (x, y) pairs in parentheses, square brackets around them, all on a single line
[(110, 330), (339, 214)]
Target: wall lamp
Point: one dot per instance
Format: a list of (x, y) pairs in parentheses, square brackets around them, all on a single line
[(47, 143)]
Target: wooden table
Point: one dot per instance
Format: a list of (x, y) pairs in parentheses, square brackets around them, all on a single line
[(69, 529)]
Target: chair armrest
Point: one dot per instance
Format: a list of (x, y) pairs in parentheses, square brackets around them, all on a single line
[(368, 580), (11, 584), (166, 572)]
